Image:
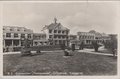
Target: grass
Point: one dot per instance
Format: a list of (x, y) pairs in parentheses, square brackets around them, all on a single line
[(84, 63)]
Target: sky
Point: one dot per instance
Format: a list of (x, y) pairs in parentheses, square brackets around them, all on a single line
[(77, 16)]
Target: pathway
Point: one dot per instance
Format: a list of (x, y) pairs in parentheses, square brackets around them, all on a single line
[(91, 51)]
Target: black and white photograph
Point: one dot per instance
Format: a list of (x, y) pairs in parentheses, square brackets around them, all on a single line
[(60, 38)]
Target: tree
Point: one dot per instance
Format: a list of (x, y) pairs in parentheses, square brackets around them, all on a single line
[(113, 47), (63, 46), (95, 45), (111, 44), (50, 41), (27, 43), (81, 45), (25, 50)]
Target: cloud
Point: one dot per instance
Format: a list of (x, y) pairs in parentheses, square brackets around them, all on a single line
[(83, 16)]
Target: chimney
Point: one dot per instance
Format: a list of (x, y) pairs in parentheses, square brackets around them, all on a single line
[(55, 20)]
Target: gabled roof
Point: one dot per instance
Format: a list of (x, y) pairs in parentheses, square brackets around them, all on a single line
[(98, 34), (103, 34), (55, 26), (92, 31)]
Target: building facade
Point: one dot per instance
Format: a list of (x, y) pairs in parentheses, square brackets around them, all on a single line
[(56, 33), (39, 39), (113, 36), (53, 34), (86, 37), (73, 39), (106, 37), (14, 36), (98, 36)]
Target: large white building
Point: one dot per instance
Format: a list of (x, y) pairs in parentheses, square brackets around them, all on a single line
[(100, 37), (86, 37), (14, 36), (56, 33), (39, 39), (53, 34)]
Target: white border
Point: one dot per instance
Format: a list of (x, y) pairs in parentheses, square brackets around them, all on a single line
[(53, 77)]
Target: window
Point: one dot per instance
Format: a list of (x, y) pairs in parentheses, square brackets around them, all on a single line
[(8, 34), (18, 29), (87, 41), (50, 36), (55, 36), (22, 43), (66, 32), (63, 37), (55, 31), (92, 37), (3, 35), (50, 31), (43, 36), (29, 35), (82, 37), (59, 36), (15, 35), (88, 37), (36, 43), (22, 35), (55, 42), (63, 32), (11, 29), (41, 43), (39, 37), (79, 37), (96, 37), (59, 31), (35, 37)]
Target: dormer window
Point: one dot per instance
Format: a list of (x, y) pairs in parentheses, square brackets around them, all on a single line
[(18, 29), (11, 29)]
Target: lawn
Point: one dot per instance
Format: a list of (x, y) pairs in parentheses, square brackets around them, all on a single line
[(82, 63)]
